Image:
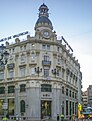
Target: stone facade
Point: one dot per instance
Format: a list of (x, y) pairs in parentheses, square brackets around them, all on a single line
[(41, 78)]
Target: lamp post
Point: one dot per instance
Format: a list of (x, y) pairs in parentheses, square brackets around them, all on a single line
[(54, 71), (4, 55), (38, 70)]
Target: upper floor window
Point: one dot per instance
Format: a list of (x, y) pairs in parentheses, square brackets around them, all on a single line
[(32, 46), (67, 92), (46, 72), (22, 58), (58, 49), (1, 75), (70, 93), (46, 88), (32, 71), (32, 55), (22, 71), (2, 90), (58, 72), (24, 47), (13, 49), (21, 48), (48, 47), (11, 73), (63, 73), (46, 57), (73, 94), (45, 47), (11, 89), (22, 88), (62, 90)]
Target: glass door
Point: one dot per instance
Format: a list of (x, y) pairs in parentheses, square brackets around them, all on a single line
[(45, 109)]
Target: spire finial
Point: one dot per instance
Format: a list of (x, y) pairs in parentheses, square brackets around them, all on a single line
[(43, 1)]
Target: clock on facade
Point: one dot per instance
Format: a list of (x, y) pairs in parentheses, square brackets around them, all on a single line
[(46, 34)]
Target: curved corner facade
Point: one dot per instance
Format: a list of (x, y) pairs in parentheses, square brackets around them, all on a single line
[(42, 78)]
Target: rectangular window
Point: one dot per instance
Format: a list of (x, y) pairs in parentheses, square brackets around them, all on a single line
[(11, 89), (66, 107), (67, 92), (73, 107), (33, 56), (22, 71), (62, 90), (73, 94), (58, 71), (58, 49), (46, 72), (63, 73), (2, 90), (70, 108), (44, 47), (70, 93), (1, 75), (46, 88), (33, 46), (32, 71), (46, 58), (48, 47), (11, 73), (22, 58), (22, 88)]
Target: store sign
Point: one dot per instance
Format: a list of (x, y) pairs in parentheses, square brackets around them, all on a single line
[(14, 36)]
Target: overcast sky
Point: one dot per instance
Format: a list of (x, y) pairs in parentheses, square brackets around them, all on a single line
[(70, 18)]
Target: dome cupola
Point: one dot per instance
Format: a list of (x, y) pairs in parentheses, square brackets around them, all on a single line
[(43, 20)]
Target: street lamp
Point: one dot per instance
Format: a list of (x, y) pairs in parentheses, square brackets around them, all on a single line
[(38, 70), (4, 55), (54, 71)]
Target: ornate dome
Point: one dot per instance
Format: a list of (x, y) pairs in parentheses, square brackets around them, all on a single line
[(43, 19)]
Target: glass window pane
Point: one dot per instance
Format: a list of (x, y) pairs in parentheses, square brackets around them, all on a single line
[(1, 75)]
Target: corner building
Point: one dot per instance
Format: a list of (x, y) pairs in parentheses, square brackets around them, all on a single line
[(41, 78)]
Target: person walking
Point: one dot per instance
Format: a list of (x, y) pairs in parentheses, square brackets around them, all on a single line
[(62, 117), (57, 117), (73, 117)]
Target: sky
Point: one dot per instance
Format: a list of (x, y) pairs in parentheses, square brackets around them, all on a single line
[(71, 19)]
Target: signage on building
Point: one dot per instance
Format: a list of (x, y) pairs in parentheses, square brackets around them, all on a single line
[(14, 36)]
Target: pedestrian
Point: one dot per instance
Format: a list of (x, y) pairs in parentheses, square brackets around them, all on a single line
[(57, 117), (62, 117), (73, 117)]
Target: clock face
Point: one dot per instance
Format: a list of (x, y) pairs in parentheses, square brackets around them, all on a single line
[(46, 34)]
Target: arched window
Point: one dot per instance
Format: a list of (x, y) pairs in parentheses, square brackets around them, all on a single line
[(22, 106)]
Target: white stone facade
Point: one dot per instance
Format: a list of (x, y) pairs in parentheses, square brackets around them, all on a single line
[(41, 78)]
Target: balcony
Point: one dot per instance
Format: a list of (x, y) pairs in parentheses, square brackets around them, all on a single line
[(46, 63)]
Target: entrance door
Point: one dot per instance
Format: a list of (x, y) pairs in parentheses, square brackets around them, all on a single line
[(45, 108)]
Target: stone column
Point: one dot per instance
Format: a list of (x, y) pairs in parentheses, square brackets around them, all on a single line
[(17, 103)]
